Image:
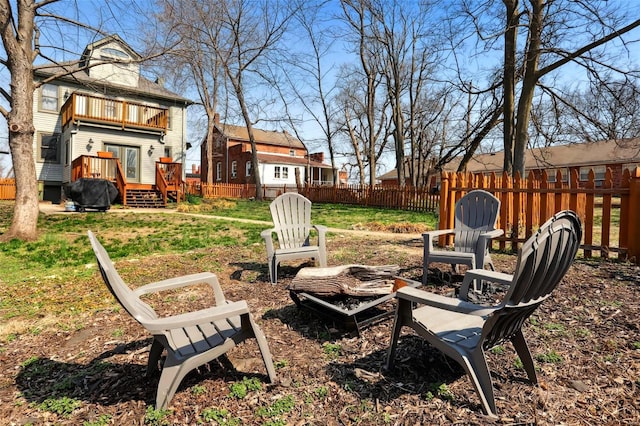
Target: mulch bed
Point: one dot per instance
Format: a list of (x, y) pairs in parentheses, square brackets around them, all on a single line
[(586, 341)]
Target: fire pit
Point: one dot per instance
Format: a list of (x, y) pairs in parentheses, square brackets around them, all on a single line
[(358, 294)]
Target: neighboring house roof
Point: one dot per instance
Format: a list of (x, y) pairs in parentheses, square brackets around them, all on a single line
[(296, 161), (267, 137), (558, 156)]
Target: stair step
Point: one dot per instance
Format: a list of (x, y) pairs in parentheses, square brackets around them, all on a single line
[(144, 199)]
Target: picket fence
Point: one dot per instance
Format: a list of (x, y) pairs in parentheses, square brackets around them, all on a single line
[(7, 189), (608, 212)]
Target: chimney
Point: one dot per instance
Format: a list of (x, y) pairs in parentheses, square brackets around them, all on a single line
[(193, 169), (216, 118), (317, 156)]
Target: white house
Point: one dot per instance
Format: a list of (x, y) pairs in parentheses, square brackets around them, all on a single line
[(104, 105)]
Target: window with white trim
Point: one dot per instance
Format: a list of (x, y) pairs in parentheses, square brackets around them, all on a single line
[(49, 97), (234, 169), (292, 152), (285, 173), (276, 172), (551, 175), (218, 171), (247, 168), (598, 171)]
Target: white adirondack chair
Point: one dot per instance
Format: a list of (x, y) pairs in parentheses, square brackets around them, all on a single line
[(190, 339), (464, 331), (476, 215), (291, 214)]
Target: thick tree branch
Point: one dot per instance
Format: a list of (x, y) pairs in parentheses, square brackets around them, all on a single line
[(546, 70)]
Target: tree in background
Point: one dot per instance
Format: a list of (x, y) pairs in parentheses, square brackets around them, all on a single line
[(540, 38), (195, 29)]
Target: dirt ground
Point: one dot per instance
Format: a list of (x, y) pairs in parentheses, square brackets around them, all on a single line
[(585, 341)]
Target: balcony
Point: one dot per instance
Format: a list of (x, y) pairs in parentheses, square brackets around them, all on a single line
[(122, 114)]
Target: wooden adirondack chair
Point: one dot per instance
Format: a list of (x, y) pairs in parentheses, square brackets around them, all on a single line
[(476, 215), (464, 331), (291, 214), (190, 339)]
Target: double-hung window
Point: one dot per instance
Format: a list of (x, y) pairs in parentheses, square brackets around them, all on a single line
[(49, 97)]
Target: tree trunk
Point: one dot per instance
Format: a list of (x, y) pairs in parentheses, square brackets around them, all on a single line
[(528, 86), (19, 50), (510, 46)]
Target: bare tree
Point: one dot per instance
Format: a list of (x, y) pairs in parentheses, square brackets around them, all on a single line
[(357, 15), (194, 28), (310, 81), (251, 30), (540, 37)]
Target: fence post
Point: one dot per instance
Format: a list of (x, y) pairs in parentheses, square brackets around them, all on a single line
[(634, 224), (445, 195)]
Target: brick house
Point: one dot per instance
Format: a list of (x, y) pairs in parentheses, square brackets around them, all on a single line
[(280, 156), (616, 155)]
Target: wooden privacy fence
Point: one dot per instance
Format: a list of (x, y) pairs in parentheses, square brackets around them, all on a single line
[(221, 190), (403, 198), (7, 189), (526, 203)]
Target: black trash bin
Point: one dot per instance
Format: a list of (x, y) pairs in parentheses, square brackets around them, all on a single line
[(96, 194)]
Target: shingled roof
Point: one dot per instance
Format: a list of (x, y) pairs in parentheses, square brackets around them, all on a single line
[(558, 156), (268, 137)]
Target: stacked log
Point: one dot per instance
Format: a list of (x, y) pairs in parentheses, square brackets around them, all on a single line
[(352, 280)]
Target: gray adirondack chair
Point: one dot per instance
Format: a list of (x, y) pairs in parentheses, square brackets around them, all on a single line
[(464, 331), (190, 339), (291, 214), (476, 215)]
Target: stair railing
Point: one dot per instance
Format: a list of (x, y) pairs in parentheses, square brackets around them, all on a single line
[(161, 182)]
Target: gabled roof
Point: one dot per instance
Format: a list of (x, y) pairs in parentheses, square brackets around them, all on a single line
[(267, 137), (79, 76), (75, 72), (110, 39)]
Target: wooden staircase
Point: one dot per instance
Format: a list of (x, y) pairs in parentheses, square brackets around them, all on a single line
[(144, 198)]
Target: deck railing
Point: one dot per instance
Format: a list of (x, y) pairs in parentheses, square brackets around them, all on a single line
[(119, 113), (87, 166), (169, 179)]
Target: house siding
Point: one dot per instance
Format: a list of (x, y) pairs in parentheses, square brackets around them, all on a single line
[(75, 137)]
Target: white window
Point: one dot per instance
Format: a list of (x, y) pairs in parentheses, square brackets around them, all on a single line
[(49, 148), (292, 152), (598, 171), (219, 171), (49, 97), (551, 175), (247, 168), (276, 172), (285, 173), (234, 169)]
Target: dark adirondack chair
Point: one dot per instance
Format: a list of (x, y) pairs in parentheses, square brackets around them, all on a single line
[(190, 339), (464, 331), (476, 215), (291, 214)]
